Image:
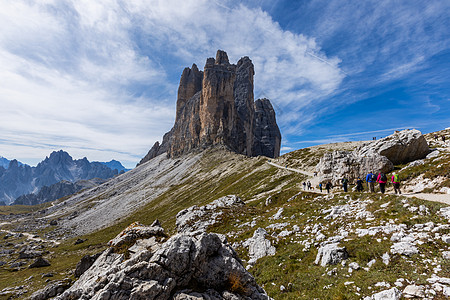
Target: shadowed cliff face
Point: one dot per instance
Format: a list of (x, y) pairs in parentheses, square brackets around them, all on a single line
[(217, 106)]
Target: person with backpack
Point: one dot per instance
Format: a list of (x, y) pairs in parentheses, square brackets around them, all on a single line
[(359, 185), (320, 187), (370, 179), (345, 184), (382, 180), (328, 186), (396, 183)]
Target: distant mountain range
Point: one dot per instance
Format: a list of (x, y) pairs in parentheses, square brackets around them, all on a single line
[(56, 191), (20, 179), (4, 162), (114, 164)]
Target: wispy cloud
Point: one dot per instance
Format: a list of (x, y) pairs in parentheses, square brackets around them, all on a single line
[(101, 76)]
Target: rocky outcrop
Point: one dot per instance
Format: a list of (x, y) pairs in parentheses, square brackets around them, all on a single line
[(186, 266), (401, 147), (259, 246), (200, 218), (217, 106), (333, 166)]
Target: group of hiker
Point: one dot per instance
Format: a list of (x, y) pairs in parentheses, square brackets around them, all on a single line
[(371, 180)]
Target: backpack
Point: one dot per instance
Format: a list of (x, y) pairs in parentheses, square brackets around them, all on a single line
[(344, 181), (396, 178), (373, 178), (383, 177)]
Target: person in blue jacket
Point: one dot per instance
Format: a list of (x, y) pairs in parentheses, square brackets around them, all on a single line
[(371, 179)]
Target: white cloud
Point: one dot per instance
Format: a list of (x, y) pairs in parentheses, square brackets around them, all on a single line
[(97, 76)]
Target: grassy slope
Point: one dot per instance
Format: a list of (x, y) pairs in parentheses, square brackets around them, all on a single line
[(219, 174)]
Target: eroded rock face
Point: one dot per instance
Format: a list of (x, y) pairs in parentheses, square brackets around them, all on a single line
[(401, 147), (186, 265), (335, 165), (217, 106)]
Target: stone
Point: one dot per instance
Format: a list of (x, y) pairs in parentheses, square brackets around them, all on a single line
[(333, 166), (200, 218), (331, 254), (51, 290), (39, 263), (412, 291), (400, 147), (134, 232), (259, 246), (391, 294), (446, 238), (30, 254), (85, 263), (404, 248), (195, 265), (79, 241), (217, 107), (446, 255), (53, 222), (278, 214), (445, 212)]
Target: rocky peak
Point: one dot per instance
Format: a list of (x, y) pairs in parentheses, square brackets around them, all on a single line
[(221, 58), (190, 84), (217, 107)]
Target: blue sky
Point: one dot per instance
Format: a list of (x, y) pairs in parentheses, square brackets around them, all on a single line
[(99, 78)]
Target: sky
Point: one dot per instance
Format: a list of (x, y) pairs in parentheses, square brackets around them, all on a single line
[(99, 79)]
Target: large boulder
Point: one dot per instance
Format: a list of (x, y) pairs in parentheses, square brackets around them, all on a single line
[(333, 166), (401, 147), (195, 265)]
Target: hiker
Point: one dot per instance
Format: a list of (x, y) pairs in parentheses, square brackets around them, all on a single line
[(304, 186), (309, 185), (359, 185), (382, 179), (328, 186), (320, 187), (443, 138), (396, 182), (344, 184), (435, 137), (370, 179)]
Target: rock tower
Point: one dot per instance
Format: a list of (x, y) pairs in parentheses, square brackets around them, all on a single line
[(216, 107)]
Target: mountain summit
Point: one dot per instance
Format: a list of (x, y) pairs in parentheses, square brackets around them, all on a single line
[(216, 107)]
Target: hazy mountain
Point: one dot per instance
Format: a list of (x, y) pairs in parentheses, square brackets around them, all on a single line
[(56, 191), (17, 180), (114, 164), (4, 162)]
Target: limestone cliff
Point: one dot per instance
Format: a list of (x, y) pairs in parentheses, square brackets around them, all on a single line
[(217, 106)]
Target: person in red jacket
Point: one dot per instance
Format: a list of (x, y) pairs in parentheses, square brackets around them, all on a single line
[(382, 179)]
